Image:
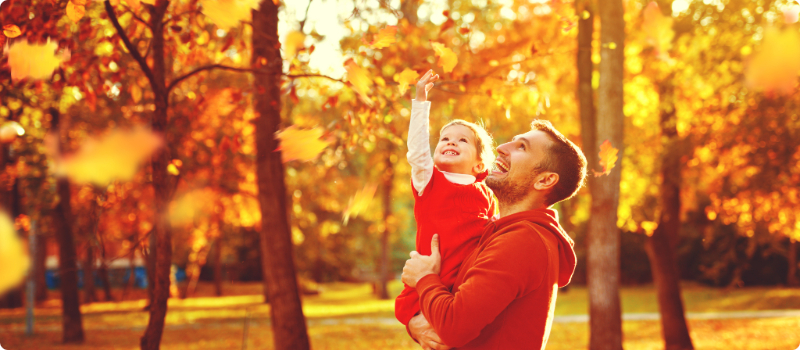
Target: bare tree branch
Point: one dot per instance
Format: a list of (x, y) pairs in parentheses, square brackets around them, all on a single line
[(303, 22), (128, 45)]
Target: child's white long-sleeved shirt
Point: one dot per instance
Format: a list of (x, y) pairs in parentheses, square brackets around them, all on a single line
[(419, 150)]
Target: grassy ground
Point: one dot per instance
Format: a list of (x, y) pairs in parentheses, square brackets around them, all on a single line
[(218, 323)]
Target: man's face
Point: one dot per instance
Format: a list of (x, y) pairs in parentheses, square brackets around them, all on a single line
[(518, 165)]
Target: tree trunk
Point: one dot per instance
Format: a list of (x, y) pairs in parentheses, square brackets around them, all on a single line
[(388, 184), (585, 91), (603, 239), (150, 268), (791, 277), (103, 272), (40, 267), (89, 294), (67, 260), (660, 247), (151, 339), (217, 246), (280, 281)]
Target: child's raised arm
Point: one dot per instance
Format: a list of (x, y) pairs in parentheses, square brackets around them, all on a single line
[(419, 148)]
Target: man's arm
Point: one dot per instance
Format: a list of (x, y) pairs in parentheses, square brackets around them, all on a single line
[(511, 266), (419, 148), (424, 334)]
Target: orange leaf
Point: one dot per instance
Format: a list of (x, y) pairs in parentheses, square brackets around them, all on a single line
[(33, 61), (13, 256), (75, 12), (11, 31), (358, 77), (608, 158), (404, 79), (775, 66), (114, 156), (385, 37), (294, 41), (133, 4), (447, 58), (300, 144), (359, 202), (227, 14), (657, 29)]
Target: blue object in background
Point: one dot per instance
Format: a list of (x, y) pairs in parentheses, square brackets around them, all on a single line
[(140, 277)]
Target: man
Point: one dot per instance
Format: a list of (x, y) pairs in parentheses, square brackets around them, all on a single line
[(505, 293)]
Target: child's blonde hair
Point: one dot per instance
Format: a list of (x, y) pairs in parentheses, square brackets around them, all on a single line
[(483, 141)]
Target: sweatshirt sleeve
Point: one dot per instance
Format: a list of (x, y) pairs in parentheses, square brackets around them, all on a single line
[(419, 148), (510, 267)]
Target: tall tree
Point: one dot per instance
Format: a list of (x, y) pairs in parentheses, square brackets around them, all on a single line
[(603, 236), (585, 92), (67, 261), (280, 281), (386, 201)]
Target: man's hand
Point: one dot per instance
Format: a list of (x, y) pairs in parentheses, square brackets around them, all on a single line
[(422, 331), (425, 84), (421, 265)]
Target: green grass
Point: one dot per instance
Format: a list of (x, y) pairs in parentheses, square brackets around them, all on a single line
[(217, 323)]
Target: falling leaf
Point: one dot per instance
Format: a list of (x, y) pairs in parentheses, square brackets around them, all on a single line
[(300, 144), (359, 202), (294, 41), (657, 29), (13, 256), (463, 30), (404, 79), (34, 61), (358, 77), (775, 66), (385, 37), (608, 158), (115, 156), (11, 31), (447, 58), (136, 93), (227, 14), (9, 131), (75, 12)]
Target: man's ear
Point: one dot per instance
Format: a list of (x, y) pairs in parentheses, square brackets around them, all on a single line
[(545, 181)]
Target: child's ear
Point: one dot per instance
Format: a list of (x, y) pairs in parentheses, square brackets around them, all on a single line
[(479, 168)]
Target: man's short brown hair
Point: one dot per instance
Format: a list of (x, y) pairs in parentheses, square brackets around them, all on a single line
[(563, 158)]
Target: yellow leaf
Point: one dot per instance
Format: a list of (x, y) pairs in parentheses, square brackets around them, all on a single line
[(227, 14), (172, 169), (151, 2), (294, 41), (608, 158), (136, 93), (13, 256), (775, 66), (359, 202), (115, 156), (657, 29), (385, 37), (33, 61), (133, 4), (300, 144), (404, 79), (447, 58), (358, 77), (11, 31), (75, 12)]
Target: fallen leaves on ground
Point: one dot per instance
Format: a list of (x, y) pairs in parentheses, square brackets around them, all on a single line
[(608, 158), (359, 202), (447, 58), (13, 257), (115, 156), (300, 144)]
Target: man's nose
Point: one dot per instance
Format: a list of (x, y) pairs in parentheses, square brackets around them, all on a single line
[(502, 149)]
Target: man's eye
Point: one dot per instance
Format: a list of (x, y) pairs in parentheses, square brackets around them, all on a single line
[(522, 145)]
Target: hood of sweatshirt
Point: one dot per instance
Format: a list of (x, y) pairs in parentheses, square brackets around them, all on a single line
[(548, 220)]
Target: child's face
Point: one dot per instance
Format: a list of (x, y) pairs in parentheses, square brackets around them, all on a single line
[(456, 151)]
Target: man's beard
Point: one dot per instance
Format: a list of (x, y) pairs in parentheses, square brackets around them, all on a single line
[(510, 192)]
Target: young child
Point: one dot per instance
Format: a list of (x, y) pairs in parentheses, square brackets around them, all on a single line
[(450, 197)]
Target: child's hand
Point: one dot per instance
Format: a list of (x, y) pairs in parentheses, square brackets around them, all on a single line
[(425, 84)]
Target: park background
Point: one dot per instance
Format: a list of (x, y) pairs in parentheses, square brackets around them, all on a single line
[(250, 155)]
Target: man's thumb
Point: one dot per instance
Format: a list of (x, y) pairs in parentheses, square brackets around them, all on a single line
[(435, 244)]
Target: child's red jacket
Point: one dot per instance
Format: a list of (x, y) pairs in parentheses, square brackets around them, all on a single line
[(458, 213)]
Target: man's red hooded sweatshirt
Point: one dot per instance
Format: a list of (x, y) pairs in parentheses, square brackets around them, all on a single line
[(505, 293)]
